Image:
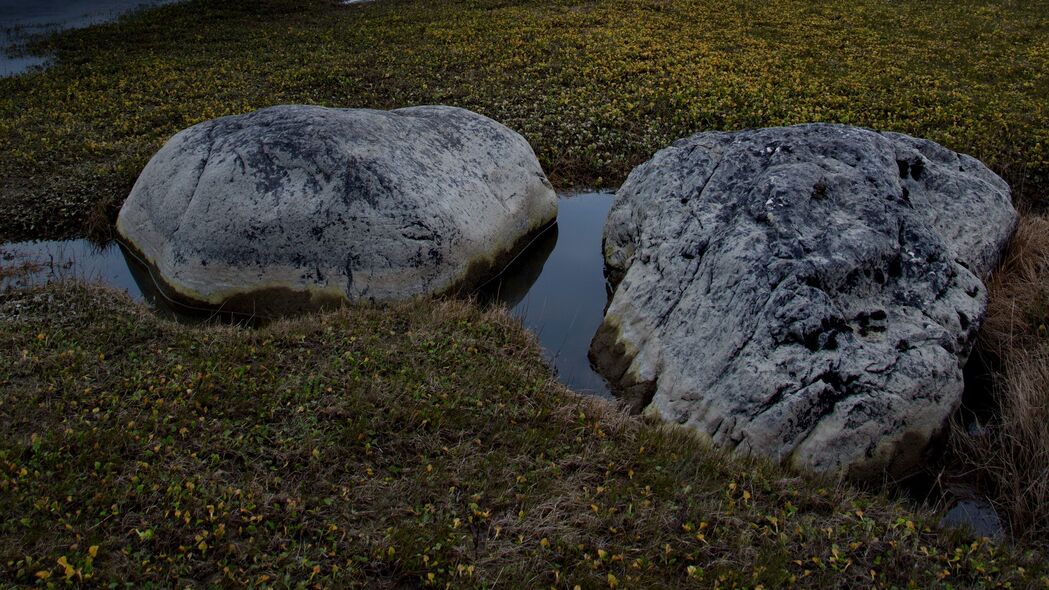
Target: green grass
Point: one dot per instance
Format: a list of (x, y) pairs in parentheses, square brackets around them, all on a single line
[(596, 87), (416, 445)]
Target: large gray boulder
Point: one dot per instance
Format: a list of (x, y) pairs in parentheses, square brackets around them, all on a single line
[(807, 293), (300, 206)]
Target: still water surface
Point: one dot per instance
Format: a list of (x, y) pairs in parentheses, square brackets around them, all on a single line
[(565, 301), (556, 287), (22, 20)]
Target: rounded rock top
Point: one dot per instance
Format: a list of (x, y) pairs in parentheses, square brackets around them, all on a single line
[(296, 206)]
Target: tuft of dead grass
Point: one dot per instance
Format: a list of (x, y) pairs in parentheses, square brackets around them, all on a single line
[(1011, 458), (1019, 309), (14, 267)]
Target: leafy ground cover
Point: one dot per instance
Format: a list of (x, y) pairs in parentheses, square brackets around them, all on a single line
[(596, 87), (409, 446)]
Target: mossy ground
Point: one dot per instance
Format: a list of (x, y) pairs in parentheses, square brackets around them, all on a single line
[(395, 447), (596, 87)]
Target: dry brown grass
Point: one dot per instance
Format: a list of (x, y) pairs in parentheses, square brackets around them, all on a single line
[(1011, 459), (14, 267), (1019, 306)]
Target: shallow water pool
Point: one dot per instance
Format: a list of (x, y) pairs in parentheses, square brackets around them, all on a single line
[(565, 301)]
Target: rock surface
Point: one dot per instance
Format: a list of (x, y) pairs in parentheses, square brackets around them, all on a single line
[(300, 206), (808, 293)]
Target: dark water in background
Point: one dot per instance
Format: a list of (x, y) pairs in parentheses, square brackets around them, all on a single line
[(556, 287), (70, 259), (21, 20), (84, 260)]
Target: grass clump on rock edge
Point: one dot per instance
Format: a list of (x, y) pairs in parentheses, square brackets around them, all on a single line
[(405, 446)]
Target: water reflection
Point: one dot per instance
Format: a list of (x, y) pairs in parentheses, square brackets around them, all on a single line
[(512, 286), (24, 264), (35, 263), (559, 292)]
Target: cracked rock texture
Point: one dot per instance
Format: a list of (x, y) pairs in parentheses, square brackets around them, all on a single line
[(808, 293), (299, 206)]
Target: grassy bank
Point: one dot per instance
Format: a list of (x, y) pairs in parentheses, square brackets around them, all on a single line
[(411, 446), (596, 87)]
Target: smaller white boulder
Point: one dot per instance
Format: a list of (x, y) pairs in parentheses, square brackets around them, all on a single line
[(295, 207)]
